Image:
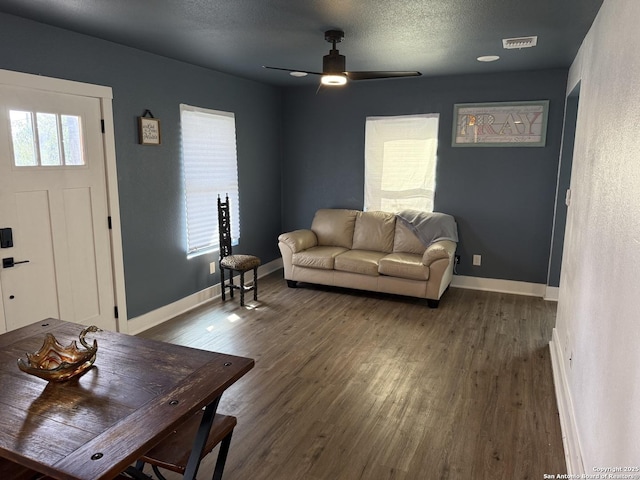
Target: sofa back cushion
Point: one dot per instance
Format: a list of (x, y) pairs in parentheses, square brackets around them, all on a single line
[(374, 231), (334, 227), (405, 240)]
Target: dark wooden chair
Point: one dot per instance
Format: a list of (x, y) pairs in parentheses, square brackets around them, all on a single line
[(173, 452), (234, 263)]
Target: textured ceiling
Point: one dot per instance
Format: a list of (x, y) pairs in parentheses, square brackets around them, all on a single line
[(435, 37)]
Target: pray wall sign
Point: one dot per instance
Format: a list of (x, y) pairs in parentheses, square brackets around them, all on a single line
[(505, 124)]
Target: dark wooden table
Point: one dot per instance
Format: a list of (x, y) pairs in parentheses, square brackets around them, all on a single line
[(95, 426)]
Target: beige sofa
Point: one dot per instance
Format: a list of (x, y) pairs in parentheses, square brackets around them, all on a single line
[(375, 251)]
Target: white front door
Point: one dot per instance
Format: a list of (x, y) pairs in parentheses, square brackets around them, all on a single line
[(53, 197)]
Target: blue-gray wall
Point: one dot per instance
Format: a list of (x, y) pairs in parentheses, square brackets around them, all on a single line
[(299, 151), (502, 198), (157, 271)]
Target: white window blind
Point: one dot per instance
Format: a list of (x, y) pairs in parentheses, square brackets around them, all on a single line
[(210, 168), (400, 162)]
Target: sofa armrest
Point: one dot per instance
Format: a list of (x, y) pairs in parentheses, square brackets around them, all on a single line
[(299, 240), (444, 249)]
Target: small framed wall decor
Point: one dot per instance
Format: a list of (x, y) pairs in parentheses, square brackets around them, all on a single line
[(503, 124), (148, 129)]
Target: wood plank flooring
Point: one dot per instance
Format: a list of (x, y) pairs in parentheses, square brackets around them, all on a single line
[(351, 385)]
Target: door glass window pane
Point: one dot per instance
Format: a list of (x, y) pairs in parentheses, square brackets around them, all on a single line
[(52, 140), (48, 139), (24, 151), (71, 140)]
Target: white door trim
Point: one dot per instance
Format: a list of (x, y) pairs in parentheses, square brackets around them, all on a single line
[(105, 96)]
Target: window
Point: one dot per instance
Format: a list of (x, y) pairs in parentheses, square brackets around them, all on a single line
[(46, 139), (210, 168), (400, 162)]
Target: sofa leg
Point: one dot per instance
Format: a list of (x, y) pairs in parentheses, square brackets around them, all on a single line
[(433, 303), (292, 284)]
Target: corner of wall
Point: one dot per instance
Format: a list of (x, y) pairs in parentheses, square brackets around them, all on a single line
[(552, 294), (575, 71), (570, 438)]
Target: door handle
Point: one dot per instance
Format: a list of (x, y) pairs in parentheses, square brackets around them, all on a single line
[(9, 262)]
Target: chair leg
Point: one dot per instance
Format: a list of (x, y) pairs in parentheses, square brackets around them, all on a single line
[(224, 296), (231, 283), (131, 472), (242, 289), (157, 472), (255, 283), (222, 457)]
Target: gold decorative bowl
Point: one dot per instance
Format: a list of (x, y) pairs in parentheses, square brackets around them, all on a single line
[(56, 363)]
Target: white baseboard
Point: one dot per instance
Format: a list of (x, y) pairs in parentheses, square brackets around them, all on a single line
[(570, 438), (162, 314), (497, 285), (552, 293), (156, 317)]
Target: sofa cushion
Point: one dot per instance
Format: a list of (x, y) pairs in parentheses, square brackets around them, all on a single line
[(404, 265), (359, 261), (406, 241), (374, 231), (317, 257), (334, 227)]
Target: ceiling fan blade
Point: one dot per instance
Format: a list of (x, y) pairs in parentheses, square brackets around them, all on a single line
[(380, 74), (292, 70)]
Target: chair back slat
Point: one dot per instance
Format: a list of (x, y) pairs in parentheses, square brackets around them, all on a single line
[(224, 227)]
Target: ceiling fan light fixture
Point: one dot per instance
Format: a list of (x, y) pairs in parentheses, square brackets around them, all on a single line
[(333, 79), (334, 70)]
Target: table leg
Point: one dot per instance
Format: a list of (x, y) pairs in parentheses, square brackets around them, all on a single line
[(201, 439)]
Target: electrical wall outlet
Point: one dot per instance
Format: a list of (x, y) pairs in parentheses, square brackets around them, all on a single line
[(212, 268), (477, 260)]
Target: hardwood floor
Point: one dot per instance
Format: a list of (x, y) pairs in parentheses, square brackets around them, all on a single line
[(351, 385)]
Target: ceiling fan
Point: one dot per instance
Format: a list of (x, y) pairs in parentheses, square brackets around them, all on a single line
[(334, 66)]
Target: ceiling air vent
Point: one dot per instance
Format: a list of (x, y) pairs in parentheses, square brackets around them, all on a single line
[(520, 42)]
